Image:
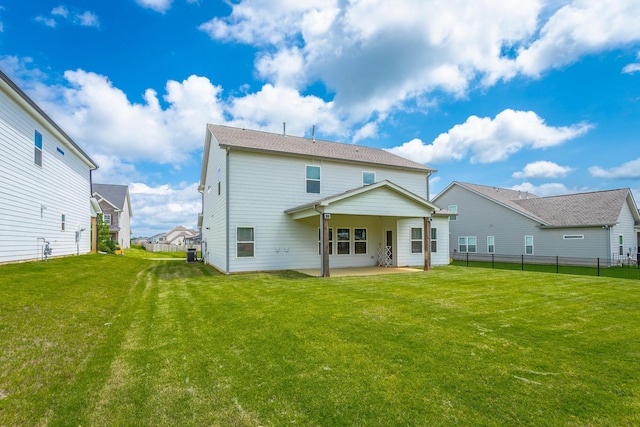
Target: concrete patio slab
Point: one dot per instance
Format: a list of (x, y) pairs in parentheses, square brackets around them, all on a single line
[(360, 271)]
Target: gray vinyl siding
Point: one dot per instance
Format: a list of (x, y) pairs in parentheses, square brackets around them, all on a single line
[(61, 186), (480, 217)]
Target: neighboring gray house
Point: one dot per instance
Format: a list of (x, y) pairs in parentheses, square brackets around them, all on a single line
[(277, 202), (492, 220), (116, 211), (45, 183)]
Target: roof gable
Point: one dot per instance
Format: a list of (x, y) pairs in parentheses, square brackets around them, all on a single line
[(366, 200), (116, 195)]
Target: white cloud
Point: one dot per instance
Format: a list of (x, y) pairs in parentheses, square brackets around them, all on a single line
[(103, 119), (377, 55), (84, 19), (549, 189), (543, 169), (633, 67), (271, 106), (580, 28), (488, 140), (159, 209), (157, 5), (369, 130), (628, 170)]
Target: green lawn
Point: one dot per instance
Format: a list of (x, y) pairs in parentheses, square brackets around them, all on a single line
[(107, 340)]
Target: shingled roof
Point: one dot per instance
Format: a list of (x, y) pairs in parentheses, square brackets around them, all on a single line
[(597, 208), (114, 194), (253, 140)]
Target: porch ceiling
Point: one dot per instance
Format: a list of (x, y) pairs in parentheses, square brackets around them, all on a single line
[(381, 199)]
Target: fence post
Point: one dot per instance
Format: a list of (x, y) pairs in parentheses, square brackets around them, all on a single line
[(467, 259), (557, 264), (522, 262), (493, 261), (598, 266)]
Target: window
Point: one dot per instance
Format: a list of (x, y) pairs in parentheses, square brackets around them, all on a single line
[(360, 240), (416, 240), (491, 245), (473, 248), (368, 178), (453, 209), (344, 240), (37, 149), (245, 242), (573, 236), (219, 179), (62, 222), (106, 218), (313, 179), (320, 241), (467, 244), (434, 240), (528, 245), (620, 244)]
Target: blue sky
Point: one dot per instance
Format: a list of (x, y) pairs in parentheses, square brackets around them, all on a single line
[(542, 96)]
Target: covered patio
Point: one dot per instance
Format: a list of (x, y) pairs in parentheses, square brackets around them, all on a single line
[(383, 199)]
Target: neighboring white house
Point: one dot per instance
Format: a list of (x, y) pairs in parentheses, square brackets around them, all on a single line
[(116, 211), (277, 202), (178, 235), (45, 183), (492, 220)]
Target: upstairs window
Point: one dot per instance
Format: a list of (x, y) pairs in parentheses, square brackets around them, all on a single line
[(368, 178), (37, 148), (63, 221), (453, 209), (313, 179), (106, 218)]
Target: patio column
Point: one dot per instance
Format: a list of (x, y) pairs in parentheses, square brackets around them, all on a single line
[(324, 219), (427, 243)]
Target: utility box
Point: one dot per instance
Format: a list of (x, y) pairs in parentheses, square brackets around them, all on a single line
[(191, 255)]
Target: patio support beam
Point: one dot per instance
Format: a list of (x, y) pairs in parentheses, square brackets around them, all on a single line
[(325, 245), (427, 243)]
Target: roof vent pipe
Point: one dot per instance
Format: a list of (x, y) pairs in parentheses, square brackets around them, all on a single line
[(284, 128), (313, 133)]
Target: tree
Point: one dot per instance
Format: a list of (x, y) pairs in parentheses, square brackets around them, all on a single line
[(105, 244)]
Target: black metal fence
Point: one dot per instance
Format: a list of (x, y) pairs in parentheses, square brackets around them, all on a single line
[(623, 267)]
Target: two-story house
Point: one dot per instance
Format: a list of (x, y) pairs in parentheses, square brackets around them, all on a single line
[(116, 211), (276, 202), (45, 183)]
